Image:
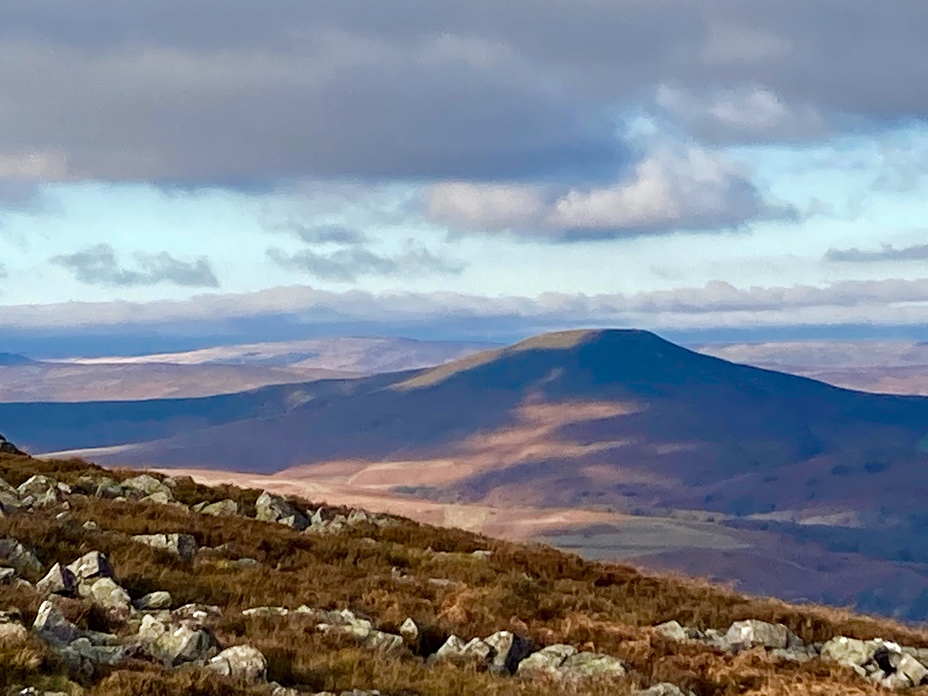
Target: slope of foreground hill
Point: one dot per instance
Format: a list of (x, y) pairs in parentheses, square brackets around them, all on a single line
[(121, 583)]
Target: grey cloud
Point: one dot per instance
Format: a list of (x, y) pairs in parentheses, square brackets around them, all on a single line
[(421, 90), (328, 234), (347, 265), (886, 252), (99, 265)]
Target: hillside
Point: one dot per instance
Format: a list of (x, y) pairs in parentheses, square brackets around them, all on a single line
[(121, 584)]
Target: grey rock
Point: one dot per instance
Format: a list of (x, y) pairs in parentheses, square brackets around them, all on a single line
[(546, 661), (478, 649), (223, 508), (154, 601), (105, 593), (587, 664), (848, 651), (40, 488), (91, 565), (147, 485), (274, 508), (242, 663), (664, 689), (7, 575), (162, 499), (182, 545), (196, 612), (752, 633), (180, 643), (10, 501), (51, 625), (409, 631), (509, 650), (58, 580), (452, 647), (912, 669), (19, 557), (90, 526), (672, 630)]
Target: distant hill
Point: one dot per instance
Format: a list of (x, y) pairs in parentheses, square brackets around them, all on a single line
[(14, 359)]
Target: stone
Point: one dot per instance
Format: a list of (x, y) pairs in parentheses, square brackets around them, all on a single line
[(409, 631), (752, 633), (10, 501), (7, 575), (452, 647), (274, 508), (509, 650), (146, 485), (223, 508), (154, 601), (664, 689), (11, 626), (19, 557), (196, 612), (672, 630), (181, 643), (58, 580), (105, 593), (183, 546), (52, 625), (266, 611), (90, 526), (161, 499), (241, 663), (912, 669), (546, 661), (479, 649), (91, 565), (43, 489), (587, 664), (848, 651)]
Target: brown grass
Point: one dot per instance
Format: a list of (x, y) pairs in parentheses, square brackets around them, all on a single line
[(543, 593)]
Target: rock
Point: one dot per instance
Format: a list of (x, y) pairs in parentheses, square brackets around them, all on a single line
[(91, 565), (664, 689), (51, 625), (7, 447), (196, 612), (453, 647), (266, 611), (482, 554), (223, 508), (508, 651), (241, 663), (147, 485), (409, 631), (7, 575), (752, 633), (83, 657), (587, 664), (58, 580), (42, 489), (273, 508), (10, 501), (182, 545), (912, 669), (478, 649), (105, 593), (90, 526), (162, 499), (546, 661), (19, 557), (179, 643), (672, 630), (11, 626), (154, 601), (848, 651)]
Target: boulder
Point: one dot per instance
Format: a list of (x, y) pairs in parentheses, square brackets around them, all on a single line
[(154, 601), (39, 491), (223, 508), (11, 626), (509, 650), (242, 663), (913, 670), (453, 647), (58, 580), (147, 485), (752, 633), (91, 565), (848, 651), (274, 508), (672, 630), (546, 661), (588, 664), (10, 501), (179, 643), (183, 546), (105, 593), (19, 557), (409, 631), (51, 625), (477, 649), (7, 575)]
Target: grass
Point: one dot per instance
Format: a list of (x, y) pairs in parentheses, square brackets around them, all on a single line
[(535, 590)]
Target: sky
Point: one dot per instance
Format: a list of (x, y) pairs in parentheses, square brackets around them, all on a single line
[(175, 174)]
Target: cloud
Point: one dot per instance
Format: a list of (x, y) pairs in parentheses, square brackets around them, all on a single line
[(325, 234), (347, 265), (98, 265), (417, 91), (686, 188), (886, 252), (3, 272)]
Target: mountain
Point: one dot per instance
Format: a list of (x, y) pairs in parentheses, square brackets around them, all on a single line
[(11, 359), (620, 418), (120, 584)]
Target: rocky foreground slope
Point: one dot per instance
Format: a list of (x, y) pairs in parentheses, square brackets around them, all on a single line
[(127, 583)]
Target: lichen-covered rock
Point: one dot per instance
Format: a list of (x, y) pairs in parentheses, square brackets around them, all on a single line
[(222, 508), (848, 651), (274, 508), (409, 631), (546, 661), (242, 663), (453, 647), (58, 580), (672, 630), (509, 650), (179, 643), (147, 485), (154, 601), (914, 671), (51, 625), (587, 664), (182, 545), (19, 557), (113, 599), (10, 500), (91, 565), (752, 633), (40, 488)]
